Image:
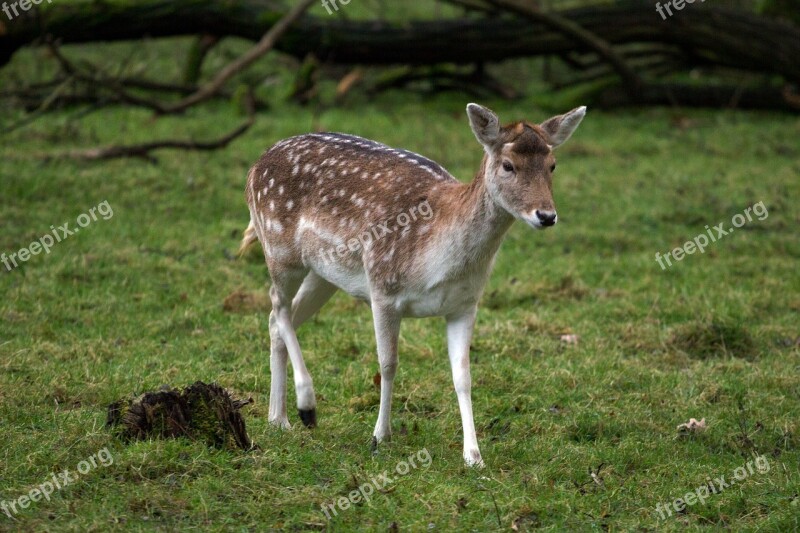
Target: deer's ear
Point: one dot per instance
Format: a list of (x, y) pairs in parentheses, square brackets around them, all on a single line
[(485, 125), (561, 128)]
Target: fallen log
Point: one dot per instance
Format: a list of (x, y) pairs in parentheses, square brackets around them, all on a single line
[(724, 96), (708, 35)]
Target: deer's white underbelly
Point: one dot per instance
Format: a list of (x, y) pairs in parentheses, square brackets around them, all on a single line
[(353, 281), (448, 298), (437, 292)]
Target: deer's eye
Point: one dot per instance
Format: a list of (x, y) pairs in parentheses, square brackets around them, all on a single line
[(553, 168), (508, 167)]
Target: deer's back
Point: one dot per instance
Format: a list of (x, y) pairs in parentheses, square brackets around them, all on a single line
[(310, 195), (320, 166)]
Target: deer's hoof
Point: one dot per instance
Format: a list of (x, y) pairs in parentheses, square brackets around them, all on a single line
[(472, 458), (308, 417), (281, 423)]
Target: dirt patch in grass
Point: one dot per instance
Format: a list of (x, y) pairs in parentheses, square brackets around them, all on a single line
[(636, 338), (593, 428), (713, 338), (247, 302), (364, 402), (520, 294)]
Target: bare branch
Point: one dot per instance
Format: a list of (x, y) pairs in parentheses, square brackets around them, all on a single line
[(527, 9), (144, 150), (263, 46), (43, 107)]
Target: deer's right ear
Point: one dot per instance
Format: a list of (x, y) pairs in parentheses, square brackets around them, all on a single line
[(485, 125)]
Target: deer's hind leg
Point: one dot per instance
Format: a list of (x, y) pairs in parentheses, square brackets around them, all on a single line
[(287, 315)]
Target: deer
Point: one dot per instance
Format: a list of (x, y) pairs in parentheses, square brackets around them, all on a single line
[(317, 193)]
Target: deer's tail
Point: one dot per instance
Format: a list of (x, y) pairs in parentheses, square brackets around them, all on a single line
[(248, 239)]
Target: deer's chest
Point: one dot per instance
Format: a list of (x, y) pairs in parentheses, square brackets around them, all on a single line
[(449, 297)]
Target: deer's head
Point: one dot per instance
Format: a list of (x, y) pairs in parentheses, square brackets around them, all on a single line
[(518, 170)]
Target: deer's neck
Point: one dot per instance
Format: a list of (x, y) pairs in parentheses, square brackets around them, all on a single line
[(478, 225)]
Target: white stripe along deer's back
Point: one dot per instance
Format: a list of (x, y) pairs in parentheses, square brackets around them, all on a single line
[(319, 192)]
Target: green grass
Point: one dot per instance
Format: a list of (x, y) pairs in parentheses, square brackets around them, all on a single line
[(136, 301)]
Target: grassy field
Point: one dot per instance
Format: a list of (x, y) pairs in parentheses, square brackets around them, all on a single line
[(575, 436)]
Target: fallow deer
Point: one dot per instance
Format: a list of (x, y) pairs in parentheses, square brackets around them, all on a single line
[(319, 192)]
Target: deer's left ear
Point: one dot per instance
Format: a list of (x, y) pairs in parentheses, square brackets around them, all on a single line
[(561, 128), (485, 125)]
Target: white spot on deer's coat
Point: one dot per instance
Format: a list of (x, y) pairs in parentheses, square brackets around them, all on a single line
[(295, 170), (280, 189), (271, 205), (289, 205), (432, 173)]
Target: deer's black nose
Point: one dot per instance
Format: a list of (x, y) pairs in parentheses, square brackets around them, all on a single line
[(547, 218)]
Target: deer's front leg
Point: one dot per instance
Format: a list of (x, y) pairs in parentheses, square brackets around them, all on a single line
[(459, 333), (387, 330)]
